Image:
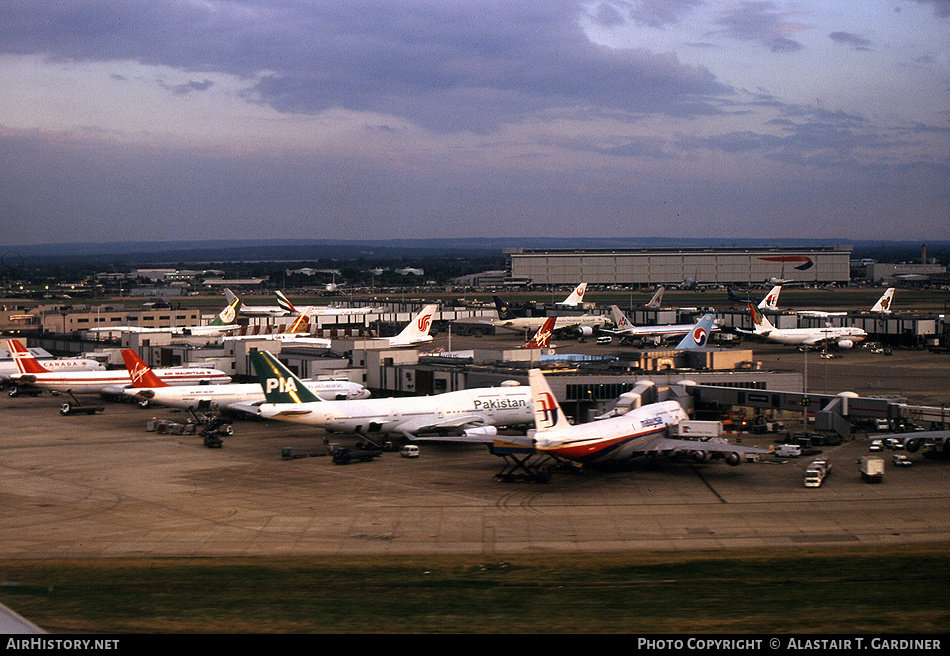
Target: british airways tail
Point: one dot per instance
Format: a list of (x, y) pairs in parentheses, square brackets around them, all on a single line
[(542, 338), (883, 304), (698, 336)]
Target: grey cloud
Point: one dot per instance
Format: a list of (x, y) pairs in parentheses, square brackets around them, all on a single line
[(658, 13), (758, 21), (448, 67), (848, 39)]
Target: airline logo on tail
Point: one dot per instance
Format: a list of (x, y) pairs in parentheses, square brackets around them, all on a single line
[(285, 304), (542, 338), (140, 373), (228, 314), (546, 411), (424, 323), (25, 361), (700, 335), (278, 383)]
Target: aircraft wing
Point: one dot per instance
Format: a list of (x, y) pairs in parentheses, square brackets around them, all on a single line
[(668, 446), (464, 428), (913, 441)]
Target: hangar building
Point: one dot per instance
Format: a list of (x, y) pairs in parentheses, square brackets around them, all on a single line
[(704, 266)]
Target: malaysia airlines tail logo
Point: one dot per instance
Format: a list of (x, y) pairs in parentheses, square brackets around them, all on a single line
[(546, 411)]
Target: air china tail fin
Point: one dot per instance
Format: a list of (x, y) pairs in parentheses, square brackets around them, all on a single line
[(657, 298), (883, 304), (420, 325), (140, 373), (547, 412), (576, 297), (25, 361), (698, 336), (284, 303), (504, 312), (278, 382), (542, 338), (770, 302)]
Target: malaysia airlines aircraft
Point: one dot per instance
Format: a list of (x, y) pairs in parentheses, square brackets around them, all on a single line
[(111, 381), (9, 366), (656, 334), (844, 336), (472, 413), (767, 302), (146, 386), (642, 431)]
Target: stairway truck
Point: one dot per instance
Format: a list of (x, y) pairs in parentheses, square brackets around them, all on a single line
[(872, 469)]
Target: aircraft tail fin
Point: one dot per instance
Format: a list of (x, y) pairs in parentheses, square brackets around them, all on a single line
[(284, 303), (140, 373), (504, 312), (657, 297), (280, 385), (770, 302), (25, 361), (619, 318), (547, 411), (300, 325), (229, 314), (576, 297), (698, 336), (420, 325), (759, 322), (542, 338), (883, 304)]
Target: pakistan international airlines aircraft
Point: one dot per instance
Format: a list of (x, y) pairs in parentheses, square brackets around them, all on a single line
[(111, 381), (643, 431), (465, 413), (221, 324), (843, 336), (146, 386), (655, 334)]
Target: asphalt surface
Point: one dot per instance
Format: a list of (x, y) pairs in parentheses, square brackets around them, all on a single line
[(102, 485)]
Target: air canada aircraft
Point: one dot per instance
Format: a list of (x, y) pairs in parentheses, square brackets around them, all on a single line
[(655, 334), (148, 387), (9, 366), (112, 381), (463, 414), (641, 432), (843, 336)]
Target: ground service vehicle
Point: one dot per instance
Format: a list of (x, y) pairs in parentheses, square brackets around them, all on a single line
[(816, 472), (343, 456), (872, 469), (788, 450)]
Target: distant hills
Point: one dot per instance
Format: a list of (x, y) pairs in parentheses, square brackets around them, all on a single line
[(174, 253)]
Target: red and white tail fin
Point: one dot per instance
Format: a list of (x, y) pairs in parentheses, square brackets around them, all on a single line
[(577, 296), (25, 361), (140, 373), (542, 338), (300, 325)]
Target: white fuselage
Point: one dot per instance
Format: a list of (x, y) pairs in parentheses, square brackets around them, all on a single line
[(494, 406), (562, 323), (96, 382), (214, 397), (617, 438), (8, 367), (809, 336)]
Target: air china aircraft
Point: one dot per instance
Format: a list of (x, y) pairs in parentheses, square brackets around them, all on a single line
[(466, 415), (416, 331), (146, 386), (111, 381)]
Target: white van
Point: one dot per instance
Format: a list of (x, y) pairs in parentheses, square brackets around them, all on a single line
[(409, 451), (788, 450)]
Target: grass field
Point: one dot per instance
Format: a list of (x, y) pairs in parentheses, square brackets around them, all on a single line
[(901, 589)]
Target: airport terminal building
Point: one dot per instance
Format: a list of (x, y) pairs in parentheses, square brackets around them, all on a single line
[(704, 266)]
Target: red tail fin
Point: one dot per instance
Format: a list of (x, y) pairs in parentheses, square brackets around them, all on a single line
[(25, 361), (141, 374), (542, 338)]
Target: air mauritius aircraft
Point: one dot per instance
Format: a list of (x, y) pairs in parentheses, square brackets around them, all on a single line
[(112, 381), (147, 386), (643, 431), (473, 413), (843, 336)]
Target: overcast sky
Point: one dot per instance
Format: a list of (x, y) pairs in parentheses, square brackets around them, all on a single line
[(369, 119)]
